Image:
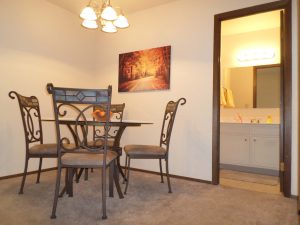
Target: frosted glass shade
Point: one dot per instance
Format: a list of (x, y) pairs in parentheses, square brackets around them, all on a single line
[(121, 22), (88, 13), (109, 27), (109, 13), (90, 24)]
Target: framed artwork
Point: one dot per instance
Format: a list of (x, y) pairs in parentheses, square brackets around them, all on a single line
[(145, 70)]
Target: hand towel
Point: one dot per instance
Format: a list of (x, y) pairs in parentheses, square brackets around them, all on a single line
[(222, 96), (229, 99)]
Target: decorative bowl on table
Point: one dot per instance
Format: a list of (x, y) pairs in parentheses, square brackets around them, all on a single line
[(100, 115)]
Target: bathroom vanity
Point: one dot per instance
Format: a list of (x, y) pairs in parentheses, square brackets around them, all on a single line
[(250, 147)]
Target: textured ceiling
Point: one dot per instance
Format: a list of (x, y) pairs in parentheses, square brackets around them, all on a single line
[(128, 6)]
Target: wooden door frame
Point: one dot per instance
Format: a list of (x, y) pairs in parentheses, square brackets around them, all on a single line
[(298, 35), (286, 123)]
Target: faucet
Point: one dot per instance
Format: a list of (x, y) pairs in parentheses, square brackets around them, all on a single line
[(254, 120)]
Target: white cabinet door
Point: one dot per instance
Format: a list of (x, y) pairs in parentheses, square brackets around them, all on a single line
[(265, 152), (234, 149), (251, 145)]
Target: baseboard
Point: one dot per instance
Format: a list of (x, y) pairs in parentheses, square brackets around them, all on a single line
[(28, 173), (247, 169), (171, 175), (294, 197), (134, 169)]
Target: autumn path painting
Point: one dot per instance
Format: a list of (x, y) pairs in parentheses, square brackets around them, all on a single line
[(145, 70)]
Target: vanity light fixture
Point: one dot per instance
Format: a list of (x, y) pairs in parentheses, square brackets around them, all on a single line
[(100, 13), (256, 54)]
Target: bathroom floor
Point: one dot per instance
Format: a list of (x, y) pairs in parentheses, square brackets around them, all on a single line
[(250, 181)]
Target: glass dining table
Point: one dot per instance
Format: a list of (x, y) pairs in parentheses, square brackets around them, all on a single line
[(121, 125)]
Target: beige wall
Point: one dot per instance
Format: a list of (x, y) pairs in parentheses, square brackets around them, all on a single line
[(55, 48), (39, 43), (186, 25), (232, 45)]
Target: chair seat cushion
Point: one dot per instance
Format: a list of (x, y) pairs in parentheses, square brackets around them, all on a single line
[(43, 149), (145, 151), (87, 159)]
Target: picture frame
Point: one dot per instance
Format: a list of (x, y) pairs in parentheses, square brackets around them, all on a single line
[(145, 70)]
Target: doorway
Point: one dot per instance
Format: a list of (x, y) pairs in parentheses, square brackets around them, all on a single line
[(285, 112)]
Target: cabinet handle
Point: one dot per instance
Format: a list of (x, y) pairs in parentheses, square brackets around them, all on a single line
[(254, 139), (246, 139)]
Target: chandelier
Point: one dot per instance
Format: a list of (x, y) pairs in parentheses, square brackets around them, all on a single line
[(101, 14)]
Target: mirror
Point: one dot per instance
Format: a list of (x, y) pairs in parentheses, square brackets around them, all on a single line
[(255, 86)]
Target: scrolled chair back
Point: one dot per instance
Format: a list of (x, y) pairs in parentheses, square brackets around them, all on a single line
[(31, 117), (76, 105), (168, 122), (116, 114)]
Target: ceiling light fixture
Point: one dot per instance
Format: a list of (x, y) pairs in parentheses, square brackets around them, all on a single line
[(100, 13), (256, 54)]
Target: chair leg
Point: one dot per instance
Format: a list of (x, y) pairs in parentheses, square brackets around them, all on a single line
[(86, 174), (79, 175), (76, 174), (39, 172), (119, 167), (111, 179), (67, 182), (127, 178), (24, 176), (53, 215), (65, 188), (117, 183), (125, 171), (70, 181), (161, 173), (168, 176), (104, 216)]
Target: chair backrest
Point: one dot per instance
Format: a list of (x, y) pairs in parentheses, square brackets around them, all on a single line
[(74, 107), (117, 111), (31, 118), (168, 122)]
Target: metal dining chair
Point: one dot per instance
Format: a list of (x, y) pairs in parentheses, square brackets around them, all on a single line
[(116, 114), (79, 104), (32, 125), (160, 151)]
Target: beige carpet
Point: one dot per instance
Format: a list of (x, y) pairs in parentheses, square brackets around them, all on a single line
[(249, 177), (147, 203)]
